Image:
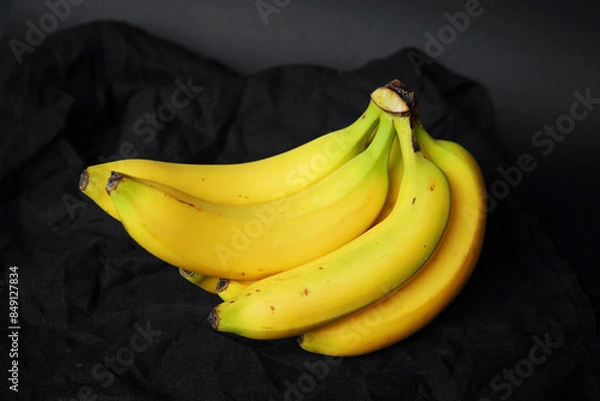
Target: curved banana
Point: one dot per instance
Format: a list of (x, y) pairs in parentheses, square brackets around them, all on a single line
[(247, 242), (414, 305), (207, 283), (228, 288), (358, 273), (252, 182)]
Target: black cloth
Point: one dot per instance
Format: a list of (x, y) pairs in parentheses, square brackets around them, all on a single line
[(101, 319)]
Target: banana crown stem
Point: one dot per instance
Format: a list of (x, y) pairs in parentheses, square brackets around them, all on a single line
[(397, 99)]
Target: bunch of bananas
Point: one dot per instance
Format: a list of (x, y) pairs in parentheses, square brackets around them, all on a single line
[(352, 241)]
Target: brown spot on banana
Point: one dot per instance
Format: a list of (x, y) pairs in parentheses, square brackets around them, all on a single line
[(213, 319), (222, 284), (113, 181), (84, 179)]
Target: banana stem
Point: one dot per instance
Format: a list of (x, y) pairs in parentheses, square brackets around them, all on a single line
[(399, 102), (408, 143)]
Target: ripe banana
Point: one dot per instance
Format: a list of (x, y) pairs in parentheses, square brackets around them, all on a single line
[(247, 242), (414, 305), (260, 181), (353, 241), (364, 270), (207, 283)]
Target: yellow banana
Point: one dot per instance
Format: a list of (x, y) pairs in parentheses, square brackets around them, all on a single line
[(414, 305), (358, 273), (247, 242), (207, 283), (253, 182), (227, 288)]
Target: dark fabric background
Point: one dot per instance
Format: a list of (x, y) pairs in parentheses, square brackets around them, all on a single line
[(101, 319)]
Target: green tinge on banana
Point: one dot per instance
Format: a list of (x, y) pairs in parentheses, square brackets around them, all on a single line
[(228, 288), (207, 283)]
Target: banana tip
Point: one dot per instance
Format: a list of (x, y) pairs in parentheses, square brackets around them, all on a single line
[(113, 181), (213, 319), (222, 284), (186, 273), (84, 179)]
